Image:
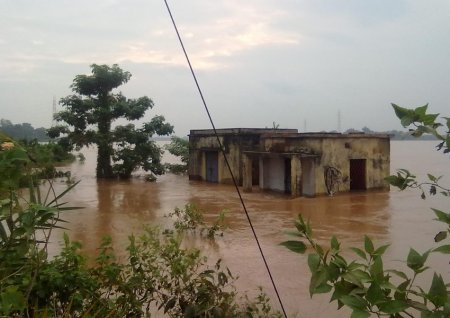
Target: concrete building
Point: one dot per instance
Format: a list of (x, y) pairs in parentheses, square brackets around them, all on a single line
[(301, 164)]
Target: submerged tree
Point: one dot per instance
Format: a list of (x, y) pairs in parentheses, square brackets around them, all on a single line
[(178, 147), (89, 115)]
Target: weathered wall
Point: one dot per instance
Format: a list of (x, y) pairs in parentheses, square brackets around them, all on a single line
[(197, 162), (232, 145), (336, 152), (307, 176)]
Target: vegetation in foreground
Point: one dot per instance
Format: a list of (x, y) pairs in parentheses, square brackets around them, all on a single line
[(364, 285), (158, 275)]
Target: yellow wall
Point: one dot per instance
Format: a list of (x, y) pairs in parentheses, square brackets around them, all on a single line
[(337, 152), (330, 150)]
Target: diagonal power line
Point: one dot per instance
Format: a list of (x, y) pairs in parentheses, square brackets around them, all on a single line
[(226, 159)]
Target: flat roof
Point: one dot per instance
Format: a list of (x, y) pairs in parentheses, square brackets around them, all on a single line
[(284, 133), (243, 131)]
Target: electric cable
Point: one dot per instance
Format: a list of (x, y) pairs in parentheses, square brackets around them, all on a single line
[(226, 159)]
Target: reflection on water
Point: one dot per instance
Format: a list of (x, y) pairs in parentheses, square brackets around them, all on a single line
[(118, 208)]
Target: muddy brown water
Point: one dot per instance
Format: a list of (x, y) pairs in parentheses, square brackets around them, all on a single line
[(118, 208)]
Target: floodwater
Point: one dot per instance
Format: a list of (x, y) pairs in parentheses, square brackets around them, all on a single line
[(118, 208)]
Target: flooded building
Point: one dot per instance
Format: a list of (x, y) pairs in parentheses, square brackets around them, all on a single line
[(301, 164)]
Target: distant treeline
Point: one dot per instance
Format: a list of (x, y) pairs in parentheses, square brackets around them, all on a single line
[(26, 131), (395, 134), (23, 131)]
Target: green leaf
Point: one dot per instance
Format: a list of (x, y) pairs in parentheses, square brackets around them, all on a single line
[(400, 293), (13, 298), (442, 216), (318, 281), (356, 277), (334, 243), (354, 302), (438, 291), (440, 236), (447, 119), (444, 249), (359, 252), (342, 288), (368, 245), (398, 273), (431, 314), (416, 261), (376, 269), (313, 262), (393, 306), (323, 289), (295, 246), (375, 294), (380, 251), (405, 115), (340, 262), (421, 110), (428, 119)]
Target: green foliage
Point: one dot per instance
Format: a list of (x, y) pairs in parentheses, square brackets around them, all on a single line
[(42, 160), (178, 147), (422, 122), (25, 228), (90, 113), (157, 277), (364, 285), (191, 219)]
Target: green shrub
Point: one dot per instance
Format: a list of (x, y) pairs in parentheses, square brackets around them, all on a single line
[(157, 276)]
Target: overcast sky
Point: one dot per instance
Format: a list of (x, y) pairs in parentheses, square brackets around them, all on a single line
[(296, 63)]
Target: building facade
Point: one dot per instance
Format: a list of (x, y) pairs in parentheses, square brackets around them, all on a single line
[(301, 164)]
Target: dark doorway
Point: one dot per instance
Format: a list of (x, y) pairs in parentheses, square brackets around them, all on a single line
[(287, 175), (358, 174), (212, 166), (255, 171), (308, 177)]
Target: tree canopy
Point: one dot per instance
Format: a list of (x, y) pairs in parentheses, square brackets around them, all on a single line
[(90, 113)]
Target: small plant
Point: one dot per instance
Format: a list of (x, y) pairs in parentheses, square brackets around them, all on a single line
[(25, 228), (191, 219)]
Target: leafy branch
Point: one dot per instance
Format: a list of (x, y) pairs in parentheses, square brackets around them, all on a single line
[(363, 284)]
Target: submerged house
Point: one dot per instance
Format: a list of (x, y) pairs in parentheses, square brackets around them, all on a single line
[(301, 164)]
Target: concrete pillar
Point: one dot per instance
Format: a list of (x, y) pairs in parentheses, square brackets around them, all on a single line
[(261, 173), (246, 173), (296, 171)]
